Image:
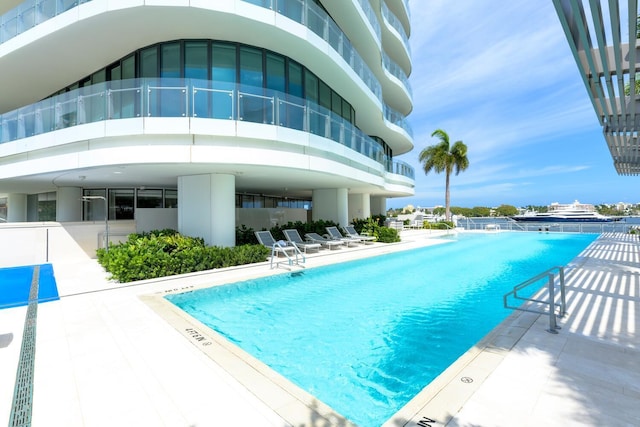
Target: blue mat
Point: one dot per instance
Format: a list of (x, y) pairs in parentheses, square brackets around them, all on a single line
[(15, 283)]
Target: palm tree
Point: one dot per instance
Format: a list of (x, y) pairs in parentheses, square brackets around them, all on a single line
[(444, 157)]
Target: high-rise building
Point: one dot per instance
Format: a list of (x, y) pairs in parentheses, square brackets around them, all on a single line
[(203, 115)]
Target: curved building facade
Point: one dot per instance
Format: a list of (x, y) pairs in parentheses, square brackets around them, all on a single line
[(203, 115)]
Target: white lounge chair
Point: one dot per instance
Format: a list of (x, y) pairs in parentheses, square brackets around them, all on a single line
[(350, 231), (316, 238), (293, 236), (280, 247), (335, 234)]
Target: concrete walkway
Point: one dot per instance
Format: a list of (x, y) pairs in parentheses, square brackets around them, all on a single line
[(104, 357)]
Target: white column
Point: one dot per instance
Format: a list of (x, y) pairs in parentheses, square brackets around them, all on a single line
[(331, 205), (17, 207), (359, 206), (206, 208), (69, 204), (378, 205)]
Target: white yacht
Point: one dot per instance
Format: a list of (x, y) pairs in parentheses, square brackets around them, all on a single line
[(572, 212)]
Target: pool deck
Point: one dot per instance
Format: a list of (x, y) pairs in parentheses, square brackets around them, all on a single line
[(107, 354)]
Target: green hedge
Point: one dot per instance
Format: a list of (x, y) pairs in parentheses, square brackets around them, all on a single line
[(163, 253)]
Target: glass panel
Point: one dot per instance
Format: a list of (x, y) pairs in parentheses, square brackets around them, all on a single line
[(295, 79), (170, 198), (124, 99), (311, 86), (149, 199), (275, 72), (99, 76), (223, 65), (170, 60), (255, 108), (212, 103), (325, 95), (94, 209), (149, 62), (92, 104), (291, 9), (47, 206), (336, 103), (121, 204), (247, 201), (291, 114), (129, 67), (115, 73), (168, 99), (3, 209), (251, 74), (195, 60)]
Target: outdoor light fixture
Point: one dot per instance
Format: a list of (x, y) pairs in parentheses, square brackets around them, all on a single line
[(106, 216)]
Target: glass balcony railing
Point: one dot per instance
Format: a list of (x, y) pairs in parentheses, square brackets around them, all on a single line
[(392, 116), (372, 18), (397, 71), (189, 98), (397, 25), (31, 13)]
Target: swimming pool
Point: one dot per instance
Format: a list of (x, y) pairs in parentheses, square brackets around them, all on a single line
[(15, 283), (366, 336)]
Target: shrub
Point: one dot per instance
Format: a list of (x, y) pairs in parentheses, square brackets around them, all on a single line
[(387, 235), (302, 227), (166, 253)]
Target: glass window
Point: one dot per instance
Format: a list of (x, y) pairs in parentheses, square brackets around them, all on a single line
[(149, 62), (170, 60), (115, 72), (149, 198), (121, 203), (324, 95), (195, 60), (336, 103), (99, 76), (295, 79), (247, 201), (93, 208), (223, 65), (129, 67), (47, 206), (275, 72), (310, 86), (3, 209), (251, 67), (170, 198)]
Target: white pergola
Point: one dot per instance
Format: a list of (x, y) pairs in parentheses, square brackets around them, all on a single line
[(607, 61)]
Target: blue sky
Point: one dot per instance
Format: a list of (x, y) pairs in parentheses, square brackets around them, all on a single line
[(499, 75)]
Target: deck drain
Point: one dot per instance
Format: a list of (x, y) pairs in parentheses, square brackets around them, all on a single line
[(23, 391), (466, 380)]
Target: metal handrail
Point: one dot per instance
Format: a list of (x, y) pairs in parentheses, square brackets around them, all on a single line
[(281, 244), (550, 302)]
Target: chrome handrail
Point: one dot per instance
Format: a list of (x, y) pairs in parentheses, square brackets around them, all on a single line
[(550, 302)]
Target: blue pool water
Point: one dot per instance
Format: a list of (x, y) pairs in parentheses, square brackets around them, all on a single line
[(366, 336), (15, 283)]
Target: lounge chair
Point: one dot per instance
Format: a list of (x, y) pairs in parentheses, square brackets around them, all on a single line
[(294, 237), (316, 238), (350, 231), (280, 247), (335, 234)]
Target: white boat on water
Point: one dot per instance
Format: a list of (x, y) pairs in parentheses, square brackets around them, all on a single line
[(572, 212)]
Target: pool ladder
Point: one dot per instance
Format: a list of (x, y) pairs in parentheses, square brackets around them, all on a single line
[(281, 247), (550, 302)]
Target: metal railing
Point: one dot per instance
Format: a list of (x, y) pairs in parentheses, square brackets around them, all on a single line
[(550, 303), (508, 224)]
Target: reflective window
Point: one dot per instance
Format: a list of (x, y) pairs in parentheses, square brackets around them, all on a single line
[(295, 79), (195, 60), (94, 205), (251, 67), (170, 198), (223, 65), (121, 203), (149, 62), (170, 60), (149, 198), (47, 206), (275, 72)]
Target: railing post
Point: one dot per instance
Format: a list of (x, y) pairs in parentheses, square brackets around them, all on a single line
[(563, 301), (552, 309)]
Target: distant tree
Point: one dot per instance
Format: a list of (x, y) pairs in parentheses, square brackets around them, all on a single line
[(447, 158), (481, 211), (506, 210), (439, 210)]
